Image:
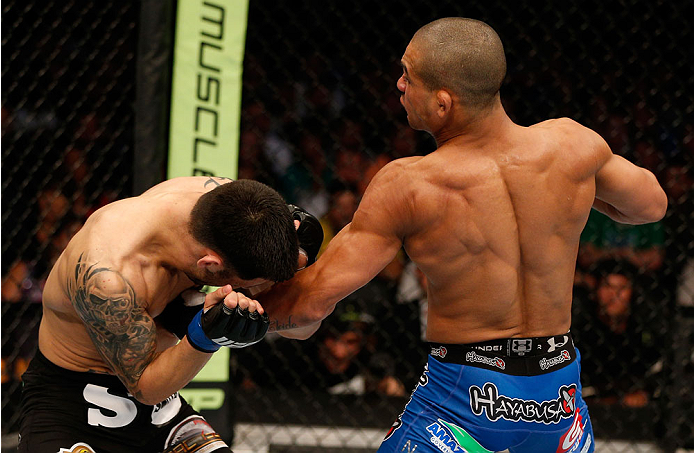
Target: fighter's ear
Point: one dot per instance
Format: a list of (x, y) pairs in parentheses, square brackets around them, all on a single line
[(211, 261), (445, 103)]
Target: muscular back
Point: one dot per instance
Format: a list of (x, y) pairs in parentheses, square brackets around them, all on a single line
[(495, 228)]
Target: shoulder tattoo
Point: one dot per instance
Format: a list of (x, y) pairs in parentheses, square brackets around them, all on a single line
[(214, 180), (122, 331)]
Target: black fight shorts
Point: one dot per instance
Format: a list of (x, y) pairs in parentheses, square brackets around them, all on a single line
[(66, 411)]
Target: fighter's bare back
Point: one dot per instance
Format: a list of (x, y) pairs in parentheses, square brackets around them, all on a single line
[(496, 229)]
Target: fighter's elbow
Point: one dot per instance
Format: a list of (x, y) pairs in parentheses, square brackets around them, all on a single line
[(660, 202), (144, 397), (148, 395), (656, 209), (302, 333)]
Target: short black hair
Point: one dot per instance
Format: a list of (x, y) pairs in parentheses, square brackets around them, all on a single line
[(249, 225)]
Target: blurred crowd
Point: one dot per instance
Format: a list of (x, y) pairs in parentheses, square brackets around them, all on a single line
[(319, 139)]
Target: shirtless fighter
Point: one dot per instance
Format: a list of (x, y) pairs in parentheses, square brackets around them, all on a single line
[(125, 290), (493, 219)]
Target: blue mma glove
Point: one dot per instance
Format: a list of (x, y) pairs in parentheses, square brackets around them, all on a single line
[(223, 326)]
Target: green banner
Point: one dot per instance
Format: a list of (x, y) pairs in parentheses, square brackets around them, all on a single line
[(204, 126), (206, 88)]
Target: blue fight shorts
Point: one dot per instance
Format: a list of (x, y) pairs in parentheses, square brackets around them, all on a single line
[(520, 394)]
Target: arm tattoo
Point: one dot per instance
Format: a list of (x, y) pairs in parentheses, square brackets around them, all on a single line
[(276, 325), (122, 331), (214, 180)]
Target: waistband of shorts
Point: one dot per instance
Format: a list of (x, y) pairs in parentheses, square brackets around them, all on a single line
[(42, 369), (515, 356)]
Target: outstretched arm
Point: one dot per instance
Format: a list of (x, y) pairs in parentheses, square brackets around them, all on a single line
[(353, 257), (626, 192)]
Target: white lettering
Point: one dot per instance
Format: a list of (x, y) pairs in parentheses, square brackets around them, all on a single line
[(124, 408)]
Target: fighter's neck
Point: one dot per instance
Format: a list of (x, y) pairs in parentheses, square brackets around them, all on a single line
[(478, 130), (168, 241)]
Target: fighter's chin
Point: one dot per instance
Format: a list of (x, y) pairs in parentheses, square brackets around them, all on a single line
[(414, 125)]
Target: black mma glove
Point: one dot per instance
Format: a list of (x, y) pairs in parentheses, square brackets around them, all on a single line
[(223, 326), (310, 232)]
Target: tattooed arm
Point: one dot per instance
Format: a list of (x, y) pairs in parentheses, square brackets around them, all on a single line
[(126, 337)]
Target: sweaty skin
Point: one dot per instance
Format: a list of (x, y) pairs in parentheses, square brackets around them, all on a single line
[(129, 260), (493, 219)]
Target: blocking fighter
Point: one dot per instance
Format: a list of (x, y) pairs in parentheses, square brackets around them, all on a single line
[(125, 291)]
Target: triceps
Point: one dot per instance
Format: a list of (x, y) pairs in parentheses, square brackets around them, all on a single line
[(122, 331)]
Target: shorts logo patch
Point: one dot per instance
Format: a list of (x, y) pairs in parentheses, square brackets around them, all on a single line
[(586, 447), (396, 424), (79, 447), (450, 438), (521, 346), (571, 439), (563, 356), (439, 352), (496, 362), (487, 400), (553, 345)]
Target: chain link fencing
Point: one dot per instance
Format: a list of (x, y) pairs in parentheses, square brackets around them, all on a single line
[(320, 116), (67, 92)]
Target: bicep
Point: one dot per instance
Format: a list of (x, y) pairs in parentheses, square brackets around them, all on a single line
[(122, 331), (369, 243), (632, 191), (617, 180), (354, 257)]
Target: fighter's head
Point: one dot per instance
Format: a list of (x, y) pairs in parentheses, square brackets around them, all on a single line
[(456, 58), (249, 226)]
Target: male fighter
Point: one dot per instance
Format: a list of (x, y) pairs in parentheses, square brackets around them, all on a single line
[(493, 219), (108, 370)]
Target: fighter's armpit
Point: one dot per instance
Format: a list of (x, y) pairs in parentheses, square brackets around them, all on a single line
[(120, 328)]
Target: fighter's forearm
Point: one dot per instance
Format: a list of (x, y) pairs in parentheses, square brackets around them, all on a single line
[(283, 306), (296, 305), (610, 211), (301, 333), (170, 371)]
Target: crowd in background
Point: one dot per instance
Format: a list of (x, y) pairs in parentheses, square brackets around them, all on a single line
[(318, 138)]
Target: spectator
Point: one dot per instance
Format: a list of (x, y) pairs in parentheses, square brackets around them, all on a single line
[(678, 183), (641, 245), (617, 333), (274, 153), (343, 203), (305, 181), (407, 329), (253, 164), (340, 359)]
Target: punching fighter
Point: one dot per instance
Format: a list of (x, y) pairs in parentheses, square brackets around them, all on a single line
[(492, 217)]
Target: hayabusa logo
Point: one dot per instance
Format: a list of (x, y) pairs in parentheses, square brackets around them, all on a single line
[(439, 352), (496, 362), (554, 361), (487, 400)]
